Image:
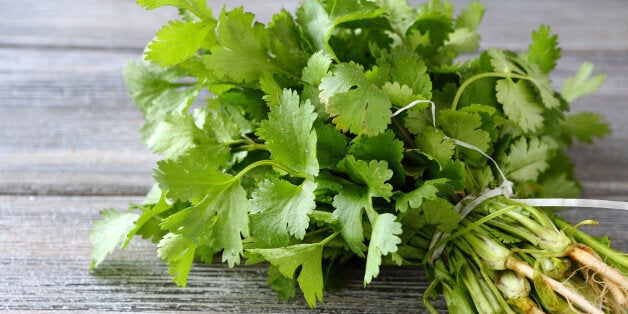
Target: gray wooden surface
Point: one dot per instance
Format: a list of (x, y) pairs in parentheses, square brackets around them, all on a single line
[(69, 146)]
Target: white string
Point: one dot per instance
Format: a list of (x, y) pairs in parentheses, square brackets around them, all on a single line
[(573, 202), (504, 189), (414, 103)]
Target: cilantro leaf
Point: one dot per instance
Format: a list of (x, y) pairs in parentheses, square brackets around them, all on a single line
[(407, 68), (373, 174), (582, 83), (279, 209), (585, 126), (519, 105), (440, 213), (401, 14), (430, 30), (220, 221), (198, 7), (432, 142), (178, 251), (286, 43), (149, 213), (155, 91), (560, 186), (466, 127), (319, 22), (331, 145), (384, 146), (349, 205), (384, 240), (242, 51), (280, 284), (356, 104), (108, 234), (471, 17), (189, 177), (288, 259), (178, 134), (179, 41), (297, 151), (544, 50), (414, 198), (317, 68), (526, 159)]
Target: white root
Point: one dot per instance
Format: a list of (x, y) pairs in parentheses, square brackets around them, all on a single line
[(526, 270), (597, 265)]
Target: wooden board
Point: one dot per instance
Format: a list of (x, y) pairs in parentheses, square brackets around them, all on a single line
[(69, 147)]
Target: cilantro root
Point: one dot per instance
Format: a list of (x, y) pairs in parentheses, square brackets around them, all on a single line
[(347, 131)]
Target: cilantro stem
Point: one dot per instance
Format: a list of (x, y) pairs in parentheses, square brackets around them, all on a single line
[(404, 133), (425, 298), (329, 238), (465, 84), (267, 162)]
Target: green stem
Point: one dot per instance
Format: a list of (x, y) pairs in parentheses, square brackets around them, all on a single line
[(404, 133), (267, 162), (329, 238), (433, 284), (470, 227), (607, 254), (476, 77)]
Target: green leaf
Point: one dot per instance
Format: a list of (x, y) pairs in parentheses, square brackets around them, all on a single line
[(582, 83), (585, 126), (242, 50), (148, 214), (317, 68), (430, 31), (349, 205), (189, 177), (406, 69), (318, 23), (432, 142), (416, 197), (179, 41), (400, 14), (156, 92), (384, 240), (220, 221), (331, 145), (290, 136), (356, 104), (440, 213), (519, 105), (466, 127), (178, 134), (108, 234), (471, 17), (544, 50), (527, 159), (198, 7), (373, 174), (288, 259), (384, 146), (559, 186), (178, 251), (286, 43), (280, 209), (284, 287)]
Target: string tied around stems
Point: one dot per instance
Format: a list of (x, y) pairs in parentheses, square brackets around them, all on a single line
[(504, 189)]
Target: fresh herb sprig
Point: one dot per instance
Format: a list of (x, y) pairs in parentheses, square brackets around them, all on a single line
[(297, 159)]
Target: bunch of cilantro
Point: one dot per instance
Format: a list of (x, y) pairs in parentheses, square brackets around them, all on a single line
[(293, 143)]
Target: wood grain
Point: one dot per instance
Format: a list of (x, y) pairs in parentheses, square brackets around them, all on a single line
[(69, 147)]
